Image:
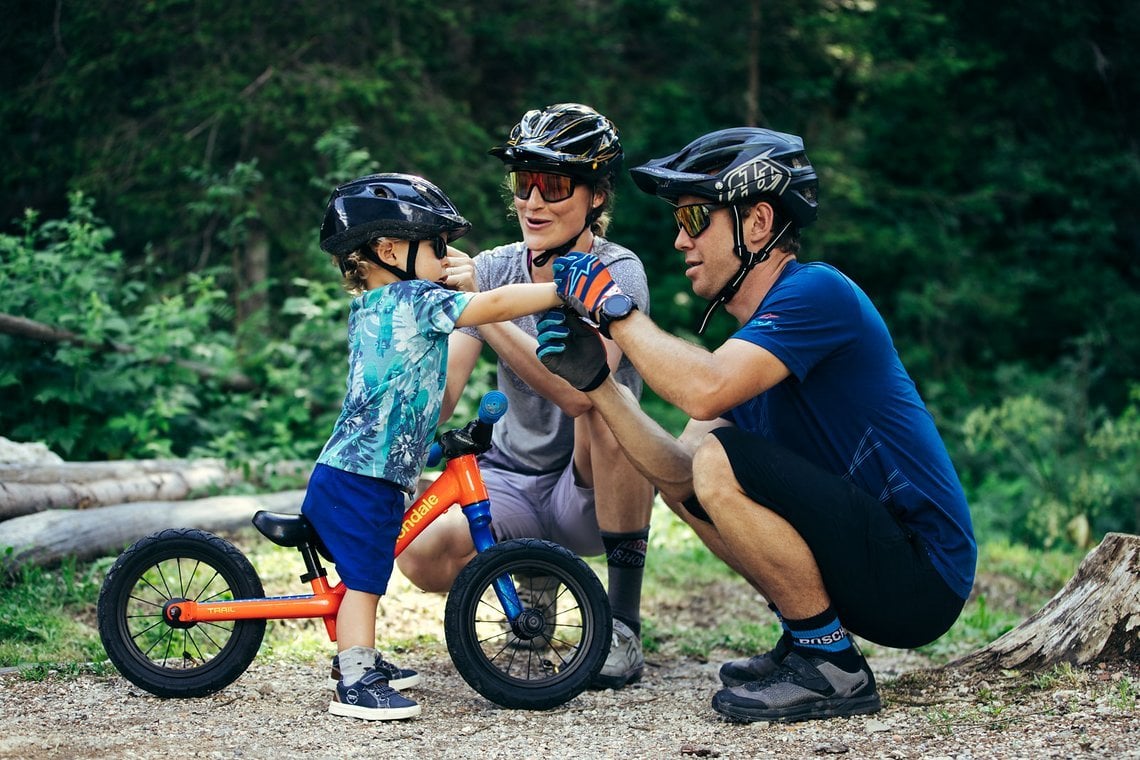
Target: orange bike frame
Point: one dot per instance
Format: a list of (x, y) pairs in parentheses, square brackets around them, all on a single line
[(459, 483)]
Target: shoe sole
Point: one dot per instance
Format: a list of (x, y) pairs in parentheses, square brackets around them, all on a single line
[(616, 682), (399, 684), (373, 713), (824, 708)]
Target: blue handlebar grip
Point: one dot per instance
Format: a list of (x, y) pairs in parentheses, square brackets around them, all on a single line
[(492, 407), (435, 453)]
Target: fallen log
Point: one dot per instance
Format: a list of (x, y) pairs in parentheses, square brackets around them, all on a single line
[(1094, 618), (47, 537), (36, 491), (84, 472)]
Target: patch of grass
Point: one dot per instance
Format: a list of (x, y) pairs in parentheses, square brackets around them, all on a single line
[(48, 616)]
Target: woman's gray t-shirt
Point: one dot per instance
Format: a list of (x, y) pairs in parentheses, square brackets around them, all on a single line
[(535, 436)]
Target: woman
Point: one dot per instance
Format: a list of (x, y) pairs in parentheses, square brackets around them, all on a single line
[(555, 470)]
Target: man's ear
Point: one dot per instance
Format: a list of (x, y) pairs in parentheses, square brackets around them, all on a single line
[(760, 223)]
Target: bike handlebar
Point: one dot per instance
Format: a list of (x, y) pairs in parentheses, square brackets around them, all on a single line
[(475, 437), (492, 407)]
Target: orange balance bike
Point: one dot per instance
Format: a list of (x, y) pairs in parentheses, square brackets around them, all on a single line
[(182, 612)]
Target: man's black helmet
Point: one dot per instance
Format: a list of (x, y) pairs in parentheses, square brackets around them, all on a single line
[(739, 164), (397, 205), (567, 138)]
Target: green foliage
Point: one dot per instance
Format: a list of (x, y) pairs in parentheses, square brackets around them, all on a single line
[(1054, 471), (48, 616), (979, 191)]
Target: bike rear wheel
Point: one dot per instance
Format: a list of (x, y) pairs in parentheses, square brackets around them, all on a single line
[(169, 660), (569, 632)]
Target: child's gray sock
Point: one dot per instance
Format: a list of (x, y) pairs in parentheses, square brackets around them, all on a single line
[(354, 661)]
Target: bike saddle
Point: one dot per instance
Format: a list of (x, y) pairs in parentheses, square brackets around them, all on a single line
[(284, 530)]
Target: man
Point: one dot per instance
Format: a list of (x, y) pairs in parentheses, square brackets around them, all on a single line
[(555, 471), (810, 465)]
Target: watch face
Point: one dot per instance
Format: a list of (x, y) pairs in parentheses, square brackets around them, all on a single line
[(617, 306)]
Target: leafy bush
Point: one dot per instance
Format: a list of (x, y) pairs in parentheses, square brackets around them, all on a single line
[(1051, 471)]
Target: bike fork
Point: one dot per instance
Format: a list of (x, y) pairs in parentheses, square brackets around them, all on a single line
[(479, 519)]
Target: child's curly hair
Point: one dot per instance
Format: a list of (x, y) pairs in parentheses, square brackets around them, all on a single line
[(354, 267)]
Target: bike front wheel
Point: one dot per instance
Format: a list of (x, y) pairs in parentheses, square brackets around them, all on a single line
[(554, 650), (171, 660)]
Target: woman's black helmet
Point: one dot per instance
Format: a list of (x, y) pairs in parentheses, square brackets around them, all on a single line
[(397, 205), (567, 138), (739, 164)]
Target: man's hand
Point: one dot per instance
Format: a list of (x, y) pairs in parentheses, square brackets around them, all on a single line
[(583, 282), (572, 349)]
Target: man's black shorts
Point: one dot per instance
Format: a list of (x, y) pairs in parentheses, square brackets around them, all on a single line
[(876, 571)]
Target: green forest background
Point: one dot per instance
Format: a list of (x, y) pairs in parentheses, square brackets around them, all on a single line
[(166, 165)]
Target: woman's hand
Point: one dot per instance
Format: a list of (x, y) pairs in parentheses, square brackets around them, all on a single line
[(459, 271)]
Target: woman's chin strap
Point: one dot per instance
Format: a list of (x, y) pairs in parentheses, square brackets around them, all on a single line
[(748, 261), (565, 248)]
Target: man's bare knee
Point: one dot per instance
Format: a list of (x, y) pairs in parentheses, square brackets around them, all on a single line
[(712, 473)]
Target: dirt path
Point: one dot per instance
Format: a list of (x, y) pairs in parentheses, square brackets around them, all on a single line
[(278, 711)]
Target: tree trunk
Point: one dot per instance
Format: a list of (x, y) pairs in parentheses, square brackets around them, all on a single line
[(47, 537), (27, 490), (1095, 617), (32, 330)]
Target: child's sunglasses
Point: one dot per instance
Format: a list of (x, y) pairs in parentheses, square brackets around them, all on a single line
[(552, 187), (694, 218), (438, 248)]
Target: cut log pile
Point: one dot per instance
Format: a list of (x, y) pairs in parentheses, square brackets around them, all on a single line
[(50, 509)]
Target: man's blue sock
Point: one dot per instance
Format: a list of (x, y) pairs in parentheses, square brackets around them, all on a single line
[(824, 636)]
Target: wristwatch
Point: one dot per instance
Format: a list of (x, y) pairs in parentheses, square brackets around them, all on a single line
[(617, 306)]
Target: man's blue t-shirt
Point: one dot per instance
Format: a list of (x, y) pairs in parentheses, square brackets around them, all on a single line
[(397, 367), (851, 407)]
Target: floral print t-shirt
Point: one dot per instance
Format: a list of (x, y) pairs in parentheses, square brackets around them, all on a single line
[(397, 370)]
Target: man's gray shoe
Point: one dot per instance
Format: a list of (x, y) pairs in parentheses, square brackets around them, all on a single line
[(758, 667), (625, 662), (802, 688)]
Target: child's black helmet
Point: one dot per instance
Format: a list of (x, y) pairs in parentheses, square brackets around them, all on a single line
[(567, 138), (739, 164), (398, 205)]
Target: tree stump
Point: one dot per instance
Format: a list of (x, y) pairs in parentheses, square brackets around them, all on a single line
[(1094, 618)]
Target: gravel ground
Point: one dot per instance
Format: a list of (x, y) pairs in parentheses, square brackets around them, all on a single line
[(278, 710)]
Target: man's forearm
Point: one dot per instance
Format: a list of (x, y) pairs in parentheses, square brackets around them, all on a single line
[(660, 457), (669, 365)]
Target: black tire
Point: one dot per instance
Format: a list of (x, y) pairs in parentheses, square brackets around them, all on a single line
[(170, 661), (535, 671)]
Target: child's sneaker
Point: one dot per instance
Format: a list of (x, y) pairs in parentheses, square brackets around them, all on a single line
[(371, 698), (398, 678)]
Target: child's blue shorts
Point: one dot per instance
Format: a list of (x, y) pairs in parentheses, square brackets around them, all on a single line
[(357, 519)]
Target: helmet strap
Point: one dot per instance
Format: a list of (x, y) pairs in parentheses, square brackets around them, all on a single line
[(561, 250), (748, 261), (403, 274)]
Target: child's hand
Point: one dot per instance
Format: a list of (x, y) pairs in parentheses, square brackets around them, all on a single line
[(583, 282), (459, 271)]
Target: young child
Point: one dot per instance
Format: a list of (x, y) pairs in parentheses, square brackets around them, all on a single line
[(377, 228)]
